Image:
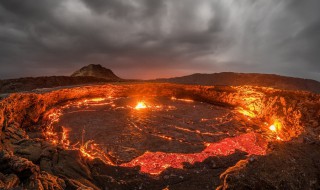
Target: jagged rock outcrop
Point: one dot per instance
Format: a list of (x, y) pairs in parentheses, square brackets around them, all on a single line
[(18, 170), (97, 71), (287, 166)]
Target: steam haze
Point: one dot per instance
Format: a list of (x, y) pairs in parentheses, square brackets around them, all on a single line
[(160, 38)]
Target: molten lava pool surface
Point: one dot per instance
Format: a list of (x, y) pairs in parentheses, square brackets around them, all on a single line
[(157, 133)]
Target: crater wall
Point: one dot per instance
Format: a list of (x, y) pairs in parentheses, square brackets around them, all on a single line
[(297, 113)]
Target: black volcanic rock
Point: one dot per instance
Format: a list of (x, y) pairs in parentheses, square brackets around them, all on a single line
[(97, 71), (252, 79)]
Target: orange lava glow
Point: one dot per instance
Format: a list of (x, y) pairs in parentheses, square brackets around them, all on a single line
[(86, 152), (277, 124), (156, 162), (275, 128), (91, 150), (87, 149), (96, 99), (141, 105), (181, 99), (65, 137), (246, 112)]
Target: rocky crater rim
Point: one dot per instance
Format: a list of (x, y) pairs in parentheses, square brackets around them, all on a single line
[(281, 115), (264, 104)]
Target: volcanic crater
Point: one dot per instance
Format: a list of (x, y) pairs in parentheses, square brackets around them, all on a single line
[(156, 136)]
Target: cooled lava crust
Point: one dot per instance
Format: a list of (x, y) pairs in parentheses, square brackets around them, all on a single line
[(160, 136)]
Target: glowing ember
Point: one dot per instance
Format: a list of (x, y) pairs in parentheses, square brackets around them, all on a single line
[(140, 105), (156, 162)]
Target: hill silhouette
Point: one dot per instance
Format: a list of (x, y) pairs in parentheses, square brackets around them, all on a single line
[(97, 71), (253, 79)]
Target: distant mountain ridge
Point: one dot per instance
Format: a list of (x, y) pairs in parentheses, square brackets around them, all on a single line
[(97, 71), (91, 74), (253, 79)]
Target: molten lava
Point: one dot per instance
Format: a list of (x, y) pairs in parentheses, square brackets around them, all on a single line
[(97, 99), (156, 162), (140, 105), (273, 128), (65, 137)]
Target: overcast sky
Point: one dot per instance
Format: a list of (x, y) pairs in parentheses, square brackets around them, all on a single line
[(160, 38)]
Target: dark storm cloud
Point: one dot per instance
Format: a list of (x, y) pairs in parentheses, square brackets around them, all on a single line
[(156, 38)]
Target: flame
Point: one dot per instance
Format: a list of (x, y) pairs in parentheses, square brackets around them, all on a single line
[(140, 105)]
